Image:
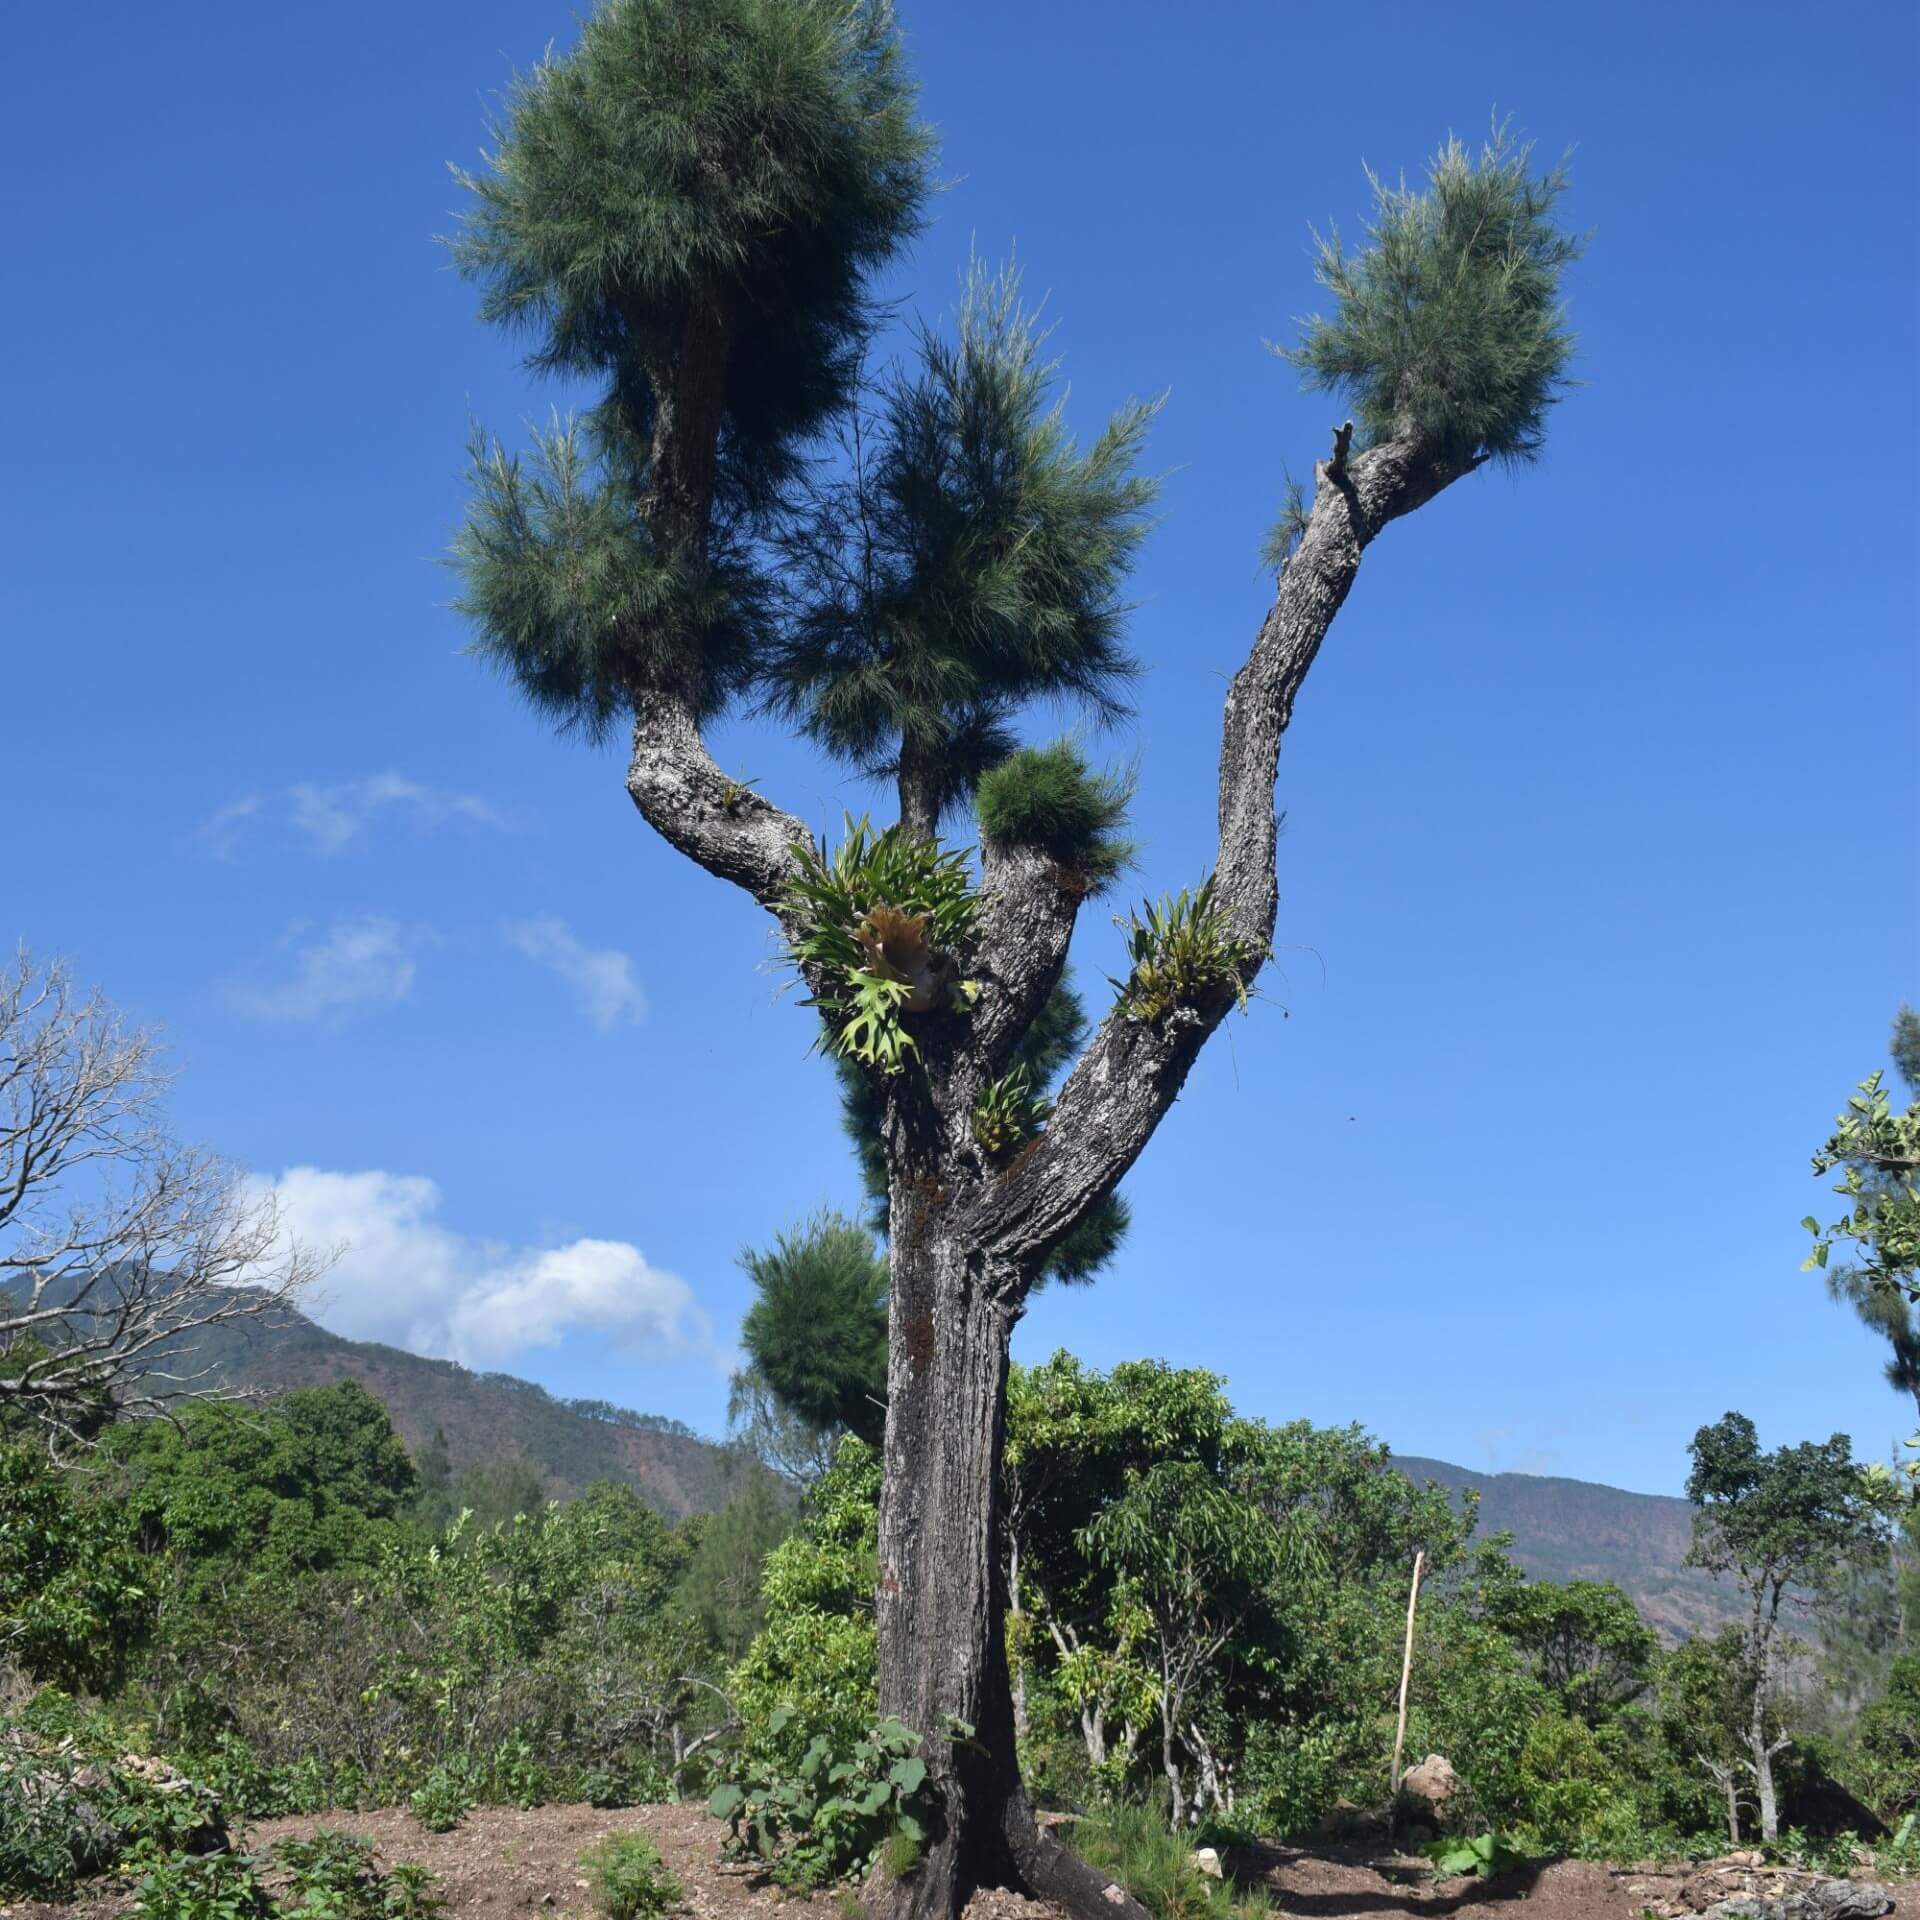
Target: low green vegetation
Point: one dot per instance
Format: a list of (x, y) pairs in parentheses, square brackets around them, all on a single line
[(1206, 1629), (246, 1615), (846, 1808), (626, 1878)]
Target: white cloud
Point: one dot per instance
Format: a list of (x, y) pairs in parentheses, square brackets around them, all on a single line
[(330, 819), (404, 1278), (601, 977), (357, 963), (222, 834)]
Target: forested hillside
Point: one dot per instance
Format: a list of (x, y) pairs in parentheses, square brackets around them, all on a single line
[(1576, 1530), (1562, 1529), (486, 1417)]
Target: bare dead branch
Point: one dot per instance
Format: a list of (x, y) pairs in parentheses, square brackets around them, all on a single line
[(121, 1250)]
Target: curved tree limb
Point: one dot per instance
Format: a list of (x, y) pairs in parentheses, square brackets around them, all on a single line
[(1132, 1071), (720, 823)]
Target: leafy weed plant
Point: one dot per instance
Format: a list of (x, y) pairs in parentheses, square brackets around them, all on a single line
[(627, 1878)]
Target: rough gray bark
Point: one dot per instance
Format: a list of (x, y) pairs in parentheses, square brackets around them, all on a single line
[(969, 1237)]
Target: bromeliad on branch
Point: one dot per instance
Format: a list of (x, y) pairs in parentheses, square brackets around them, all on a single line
[(877, 925)]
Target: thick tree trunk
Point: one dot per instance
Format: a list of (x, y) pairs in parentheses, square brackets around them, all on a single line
[(940, 1604), (1763, 1752)]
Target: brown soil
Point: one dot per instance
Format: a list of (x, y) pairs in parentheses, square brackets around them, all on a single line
[(502, 1863)]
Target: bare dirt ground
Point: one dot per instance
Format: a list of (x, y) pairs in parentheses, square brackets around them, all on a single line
[(502, 1864)]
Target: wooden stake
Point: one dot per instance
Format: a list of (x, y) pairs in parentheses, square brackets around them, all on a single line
[(1406, 1672)]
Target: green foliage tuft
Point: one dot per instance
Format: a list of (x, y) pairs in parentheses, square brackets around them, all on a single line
[(1047, 797), (1448, 326), (560, 578), (971, 563), (878, 920), (751, 159), (1876, 1151), (627, 1880), (1183, 954), (817, 1330)]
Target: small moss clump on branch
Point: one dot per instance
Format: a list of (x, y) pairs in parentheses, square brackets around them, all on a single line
[(1048, 798)]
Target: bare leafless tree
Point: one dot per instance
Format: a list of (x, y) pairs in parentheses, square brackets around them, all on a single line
[(120, 1247)]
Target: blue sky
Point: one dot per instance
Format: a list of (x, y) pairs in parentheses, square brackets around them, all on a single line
[(1599, 877)]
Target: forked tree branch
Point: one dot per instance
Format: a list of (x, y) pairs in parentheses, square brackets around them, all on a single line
[(1028, 907), (1132, 1070)]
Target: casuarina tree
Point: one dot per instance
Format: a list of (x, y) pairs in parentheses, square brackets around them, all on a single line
[(688, 210)]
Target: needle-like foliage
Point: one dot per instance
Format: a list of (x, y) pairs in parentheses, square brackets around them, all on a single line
[(687, 210), (817, 1330), (566, 592), (759, 158), (972, 562), (1448, 326)]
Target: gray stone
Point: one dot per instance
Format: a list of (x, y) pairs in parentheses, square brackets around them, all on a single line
[(1823, 1900)]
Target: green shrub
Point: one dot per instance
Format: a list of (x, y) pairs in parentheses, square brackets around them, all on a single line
[(334, 1876), (1899, 1858), (211, 1886), (836, 1815), (75, 1805), (50, 1834), (442, 1800), (627, 1878)]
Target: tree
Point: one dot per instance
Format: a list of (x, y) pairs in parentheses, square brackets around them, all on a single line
[(721, 1587), (433, 1473), (120, 1249), (1586, 1639), (309, 1483), (816, 1334), (687, 209), (1878, 1154), (1791, 1519), (1196, 1557), (76, 1600), (1706, 1714), (497, 1491)]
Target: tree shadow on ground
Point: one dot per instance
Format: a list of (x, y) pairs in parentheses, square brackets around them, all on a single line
[(1403, 1886)]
